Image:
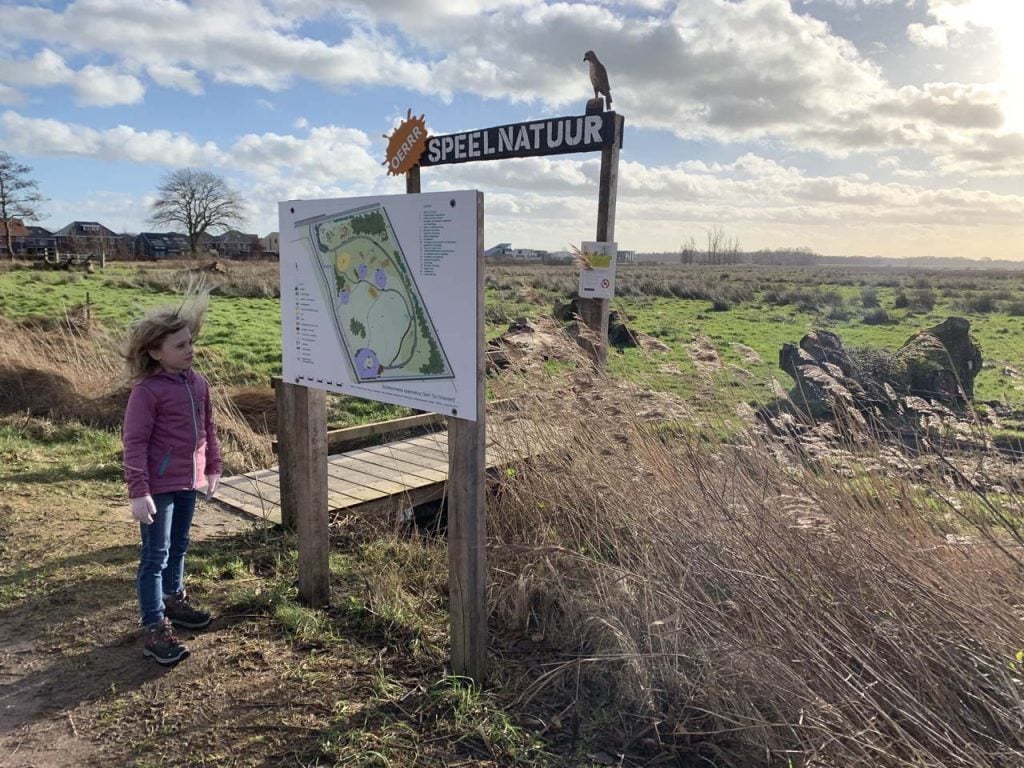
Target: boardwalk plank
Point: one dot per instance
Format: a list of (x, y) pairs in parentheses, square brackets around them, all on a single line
[(410, 470)]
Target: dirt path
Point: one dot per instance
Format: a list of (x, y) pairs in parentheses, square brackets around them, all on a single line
[(61, 648)]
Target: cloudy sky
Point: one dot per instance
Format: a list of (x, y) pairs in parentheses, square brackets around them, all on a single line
[(888, 127)]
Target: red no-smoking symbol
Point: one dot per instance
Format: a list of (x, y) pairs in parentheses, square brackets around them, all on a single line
[(606, 283)]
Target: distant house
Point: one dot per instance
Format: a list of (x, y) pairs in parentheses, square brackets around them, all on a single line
[(17, 230), (161, 245), (504, 252), (497, 251), (86, 237), (236, 245), (38, 242), (271, 243), (27, 242)]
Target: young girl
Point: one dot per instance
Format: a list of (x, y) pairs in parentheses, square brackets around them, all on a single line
[(170, 449)]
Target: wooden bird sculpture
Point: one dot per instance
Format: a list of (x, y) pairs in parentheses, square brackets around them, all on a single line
[(598, 77)]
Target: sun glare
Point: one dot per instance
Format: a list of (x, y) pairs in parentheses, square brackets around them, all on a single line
[(1008, 30), (1006, 20)]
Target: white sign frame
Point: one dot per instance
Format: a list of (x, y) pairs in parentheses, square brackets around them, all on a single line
[(405, 291)]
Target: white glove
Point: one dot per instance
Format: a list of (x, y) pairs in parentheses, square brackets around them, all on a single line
[(212, 481), (143, 509)]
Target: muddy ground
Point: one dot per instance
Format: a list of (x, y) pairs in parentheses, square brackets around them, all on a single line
[(67, 647)]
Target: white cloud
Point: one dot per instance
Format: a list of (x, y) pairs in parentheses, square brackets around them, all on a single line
[(44, 69), (106, 87), (959, 15), (52, 137), (93, 86), (329, 153), (725, 71), (942, 105), (243, 43), (993, 156), (170, 76), (931, 36), (9, 95)]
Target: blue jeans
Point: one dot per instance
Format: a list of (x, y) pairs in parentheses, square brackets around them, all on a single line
[(162, 560)]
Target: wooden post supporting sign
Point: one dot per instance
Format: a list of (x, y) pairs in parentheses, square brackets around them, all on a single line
[(303, 463), (595, 311), (467, 520)]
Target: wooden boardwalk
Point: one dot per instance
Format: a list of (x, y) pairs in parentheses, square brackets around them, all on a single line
[(387, 477)]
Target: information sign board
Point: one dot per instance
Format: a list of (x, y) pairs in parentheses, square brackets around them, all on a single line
[(378, 298)]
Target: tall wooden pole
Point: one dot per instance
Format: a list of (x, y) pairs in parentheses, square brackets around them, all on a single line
[(595, 311), (467, 503), (412, 180), (303, 466), (467, 520)]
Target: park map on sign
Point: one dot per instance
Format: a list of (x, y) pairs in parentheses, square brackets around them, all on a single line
[(377, 308)]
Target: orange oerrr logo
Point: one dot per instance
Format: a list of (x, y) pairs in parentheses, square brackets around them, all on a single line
[(406, 144)]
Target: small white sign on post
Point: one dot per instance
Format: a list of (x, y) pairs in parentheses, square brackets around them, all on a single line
[(379, 298), (597, 277)]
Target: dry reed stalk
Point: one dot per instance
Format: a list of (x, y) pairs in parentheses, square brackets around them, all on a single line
[(758, 609)]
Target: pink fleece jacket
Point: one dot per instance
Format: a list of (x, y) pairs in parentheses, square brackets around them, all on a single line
[(169, 438)]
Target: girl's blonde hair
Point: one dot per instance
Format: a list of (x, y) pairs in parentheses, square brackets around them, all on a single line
[(150, 330)]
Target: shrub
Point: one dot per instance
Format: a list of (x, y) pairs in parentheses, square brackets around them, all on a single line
[(923, 283), (980, 303), (922, 299), (777, 297), (918, 299), (1016, 308), (495, 314), (869, 297), (877, 317)]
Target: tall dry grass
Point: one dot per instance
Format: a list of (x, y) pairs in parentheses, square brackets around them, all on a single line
[(240, 279), (71, 370), (739, 608)]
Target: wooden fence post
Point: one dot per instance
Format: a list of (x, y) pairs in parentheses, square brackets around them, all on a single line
[(302, 440), (595, 311), (467, 523)]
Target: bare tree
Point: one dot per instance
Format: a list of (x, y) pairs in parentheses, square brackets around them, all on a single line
[(722, 249), (18, 197), (688, 252), (198, 201)]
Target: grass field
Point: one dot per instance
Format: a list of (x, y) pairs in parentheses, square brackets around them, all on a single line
[(760, 308), (665, 593)]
